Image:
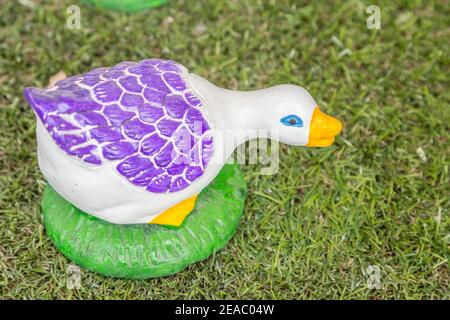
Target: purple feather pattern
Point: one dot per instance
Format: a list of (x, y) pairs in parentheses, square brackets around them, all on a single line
[(141, 116)]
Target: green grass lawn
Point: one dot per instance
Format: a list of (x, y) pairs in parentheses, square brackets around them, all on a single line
[(312, 230)]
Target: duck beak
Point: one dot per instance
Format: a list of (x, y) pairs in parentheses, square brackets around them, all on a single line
[(323, 129)]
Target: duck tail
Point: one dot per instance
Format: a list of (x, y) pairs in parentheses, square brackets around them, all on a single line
[(38, 101)]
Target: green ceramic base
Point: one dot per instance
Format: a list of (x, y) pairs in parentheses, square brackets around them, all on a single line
[(148, 251), (126, 5)]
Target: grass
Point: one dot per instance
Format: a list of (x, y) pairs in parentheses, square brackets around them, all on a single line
[(308, 232)]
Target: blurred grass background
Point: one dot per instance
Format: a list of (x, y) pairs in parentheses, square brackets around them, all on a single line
[(378, 197)]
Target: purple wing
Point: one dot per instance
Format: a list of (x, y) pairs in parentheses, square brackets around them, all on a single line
[(142, 116)]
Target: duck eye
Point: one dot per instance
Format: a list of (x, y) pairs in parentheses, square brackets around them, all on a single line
[(292, 121)]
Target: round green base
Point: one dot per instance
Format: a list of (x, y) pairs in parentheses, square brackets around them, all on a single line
[(146, 251), (126, 5)]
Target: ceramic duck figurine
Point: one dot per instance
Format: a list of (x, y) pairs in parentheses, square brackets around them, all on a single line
[(137, 142)]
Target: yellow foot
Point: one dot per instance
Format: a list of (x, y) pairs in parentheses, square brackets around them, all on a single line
[(175, 215)]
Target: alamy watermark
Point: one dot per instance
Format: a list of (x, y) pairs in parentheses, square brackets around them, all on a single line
[(73, 21), (195, 147), (373, 274), (73, 280), (374, 19)]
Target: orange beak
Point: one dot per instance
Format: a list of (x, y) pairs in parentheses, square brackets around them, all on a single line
[(323, 129)]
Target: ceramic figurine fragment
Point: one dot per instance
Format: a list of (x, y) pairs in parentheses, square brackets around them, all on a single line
[(140, 146), (126, 5)]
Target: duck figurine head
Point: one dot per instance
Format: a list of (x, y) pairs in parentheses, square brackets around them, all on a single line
[(288, 110), (301, 122), (136, 142)]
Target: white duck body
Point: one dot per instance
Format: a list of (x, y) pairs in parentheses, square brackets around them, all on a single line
[(102, 192)]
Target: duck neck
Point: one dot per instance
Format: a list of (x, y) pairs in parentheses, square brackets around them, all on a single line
[(234, 110)]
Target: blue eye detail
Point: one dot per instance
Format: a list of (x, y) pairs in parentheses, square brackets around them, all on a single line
[(292, 121)]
